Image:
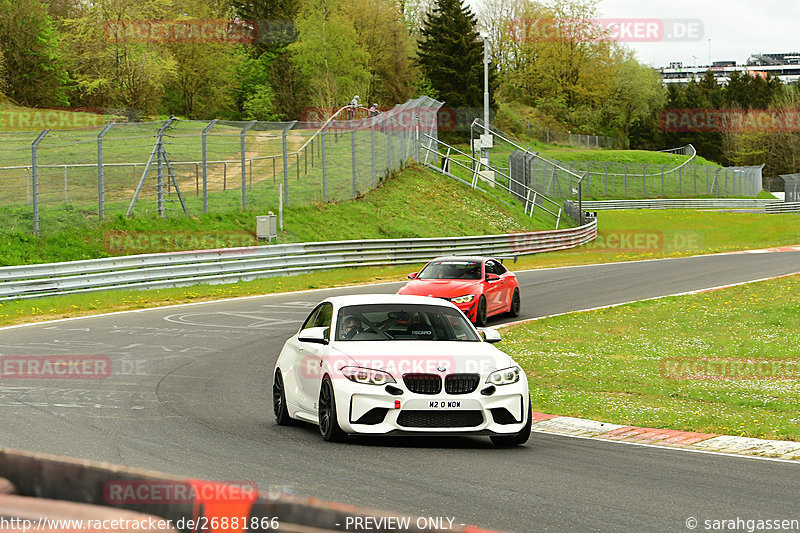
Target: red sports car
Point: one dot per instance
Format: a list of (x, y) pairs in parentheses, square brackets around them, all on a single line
[(480, 286)]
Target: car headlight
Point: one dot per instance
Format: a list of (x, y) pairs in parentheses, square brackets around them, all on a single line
[(506, 376), (367, 376), (463, 299)]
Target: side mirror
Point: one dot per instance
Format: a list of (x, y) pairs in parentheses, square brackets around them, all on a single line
[(413, 275), (314, 335), (492, 277), (490, 335)]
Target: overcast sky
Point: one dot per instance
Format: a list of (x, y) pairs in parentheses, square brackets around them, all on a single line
[(737, 28)]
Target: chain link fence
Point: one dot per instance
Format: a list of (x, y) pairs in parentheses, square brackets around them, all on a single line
[(682, 178), (577, 140), (791, 187), (48, 178), (604, 179)]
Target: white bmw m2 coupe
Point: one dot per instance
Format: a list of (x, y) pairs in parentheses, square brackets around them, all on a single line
[(405, 365)]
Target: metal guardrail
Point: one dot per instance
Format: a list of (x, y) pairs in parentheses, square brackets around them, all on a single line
[(680, 203), (473, 168), (180, 269), (783, 207)]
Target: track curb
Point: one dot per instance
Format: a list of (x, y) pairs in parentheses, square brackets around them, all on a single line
[(708, 442)]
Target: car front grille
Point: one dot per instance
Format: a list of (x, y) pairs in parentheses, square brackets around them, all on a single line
[(440, 419), (423, 383), (461, 383)]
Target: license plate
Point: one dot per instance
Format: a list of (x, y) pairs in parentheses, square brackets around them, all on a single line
[(444, 404)]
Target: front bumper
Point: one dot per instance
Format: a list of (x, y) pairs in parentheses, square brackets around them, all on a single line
[(369, 409), (469, 309)]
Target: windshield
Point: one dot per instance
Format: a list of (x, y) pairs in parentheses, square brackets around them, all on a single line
[(451, 269), (386, 322)]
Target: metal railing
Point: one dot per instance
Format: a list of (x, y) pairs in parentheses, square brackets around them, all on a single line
[(474, 170), (680, 203), (244, 264), (783, 207)]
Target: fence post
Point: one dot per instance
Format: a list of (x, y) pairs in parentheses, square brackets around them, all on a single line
[(66, 186), (644, 180), (663, 168), (416, 136), (588, 173), (205, 164), (286, 162), (160, 183), (625, 179), (353, 159), (608, 163), (243, 149), (372, 148), (101, 187), (389, 148), (35, 179), (324, 158), (716, 180)]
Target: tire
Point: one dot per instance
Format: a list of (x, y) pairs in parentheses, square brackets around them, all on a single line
[(328, 422), (513, 309), (517, 439), (480, 313), (282, 417)]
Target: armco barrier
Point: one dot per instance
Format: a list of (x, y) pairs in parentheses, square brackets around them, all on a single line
[(60, 478), (680, 203), (230, 265), (784, 207)]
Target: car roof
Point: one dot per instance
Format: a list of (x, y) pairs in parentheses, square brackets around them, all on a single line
[(475, 258), (365, 299)]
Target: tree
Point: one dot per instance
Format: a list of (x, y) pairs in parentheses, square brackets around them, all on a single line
[(111, 65), (204, 77), (29, 43), (276, 21), (3, 81), (260, 105), (451, 54), (382, 34), (637, 91), (328, 56), (515, 53)]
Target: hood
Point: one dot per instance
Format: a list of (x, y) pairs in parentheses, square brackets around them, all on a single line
[(401, 357), (441, 288)]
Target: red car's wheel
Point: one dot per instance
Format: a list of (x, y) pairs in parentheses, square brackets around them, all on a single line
[(513, 309), (480, 313)]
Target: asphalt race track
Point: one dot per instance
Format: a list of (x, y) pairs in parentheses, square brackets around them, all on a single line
[(190, 394)]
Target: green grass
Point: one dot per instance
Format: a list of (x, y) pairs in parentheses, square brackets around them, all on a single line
[(618, 364), (630, 235), (412, 203)]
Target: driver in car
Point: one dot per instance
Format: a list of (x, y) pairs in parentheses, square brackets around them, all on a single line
[(352, 327)]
